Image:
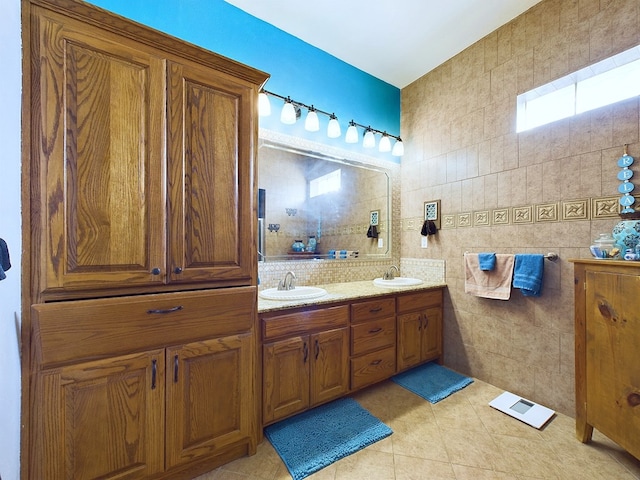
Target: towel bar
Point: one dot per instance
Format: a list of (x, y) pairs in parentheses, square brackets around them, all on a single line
[(549, 256)]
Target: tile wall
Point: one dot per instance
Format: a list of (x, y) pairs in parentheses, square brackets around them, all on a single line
[(552, 189)]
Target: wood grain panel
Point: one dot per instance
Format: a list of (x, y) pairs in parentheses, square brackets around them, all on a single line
[(305, 321)]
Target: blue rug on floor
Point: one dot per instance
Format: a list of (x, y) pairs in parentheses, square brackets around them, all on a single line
[(311, 440), (431, 381)]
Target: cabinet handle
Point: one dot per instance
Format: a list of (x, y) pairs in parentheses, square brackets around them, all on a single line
[(175, 369), (317, 348), (154, 372), (305, 349), (376, 362), (155, 271), (177, 270), (633, 399), (375, 310), (420, 322), (168, 310), (375, 330), (426, 322)]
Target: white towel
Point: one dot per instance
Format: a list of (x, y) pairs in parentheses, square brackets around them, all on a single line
[(494, 283)]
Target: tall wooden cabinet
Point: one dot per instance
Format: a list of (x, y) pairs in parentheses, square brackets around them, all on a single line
[(607, 336), (139, 202)]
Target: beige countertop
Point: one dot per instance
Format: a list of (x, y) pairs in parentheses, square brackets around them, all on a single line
[(338, 292)]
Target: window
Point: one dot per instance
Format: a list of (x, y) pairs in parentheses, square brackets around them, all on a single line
[(609, 81), (325, 184)]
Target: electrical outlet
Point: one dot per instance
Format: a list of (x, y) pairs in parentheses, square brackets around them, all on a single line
[(424, 242), (380, 243)]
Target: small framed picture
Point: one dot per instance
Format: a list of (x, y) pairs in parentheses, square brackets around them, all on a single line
[(432, 212), (374, 217)]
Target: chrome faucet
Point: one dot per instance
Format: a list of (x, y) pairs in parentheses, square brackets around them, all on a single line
[(288, 282), (389, 275)]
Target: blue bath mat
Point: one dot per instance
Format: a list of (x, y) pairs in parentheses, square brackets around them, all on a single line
[(431, 381), (316, 438)]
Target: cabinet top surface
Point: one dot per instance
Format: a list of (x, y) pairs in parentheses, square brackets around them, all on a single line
[(339, 292)]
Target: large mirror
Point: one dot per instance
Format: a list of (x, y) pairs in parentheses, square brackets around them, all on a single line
[(332, 205)]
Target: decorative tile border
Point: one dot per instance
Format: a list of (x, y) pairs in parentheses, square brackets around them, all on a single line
[(481, 218), (605, 207), (501, 216), (523, 214), (575, 209), (448, 221), (547, 212), (565, 210), (464, 219)]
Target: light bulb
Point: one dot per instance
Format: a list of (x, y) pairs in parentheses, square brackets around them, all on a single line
[(385, 144), (369, 139), (333, 129), (264, 106), (288, 114), (311, 123), (398, 148), (352, 133)]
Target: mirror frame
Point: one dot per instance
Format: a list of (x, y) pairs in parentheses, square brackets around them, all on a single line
[(326, 152)]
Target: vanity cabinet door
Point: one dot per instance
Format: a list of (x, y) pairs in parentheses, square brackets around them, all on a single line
[(409, 340), (101, 419), (209, 397), (329, 365), (431, 329), (286, 378), (98, 105), (210, 138)]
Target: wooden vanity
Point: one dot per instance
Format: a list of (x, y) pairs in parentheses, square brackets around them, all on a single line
[(357, 335), (607, 336)]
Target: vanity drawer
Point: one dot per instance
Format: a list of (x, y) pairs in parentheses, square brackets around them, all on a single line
[(307, 321), (373, 309), (419, 300), (373, 367), (369, 336)]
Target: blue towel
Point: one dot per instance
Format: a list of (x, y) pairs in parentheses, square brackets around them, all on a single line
[(527, 274), (487, 261)]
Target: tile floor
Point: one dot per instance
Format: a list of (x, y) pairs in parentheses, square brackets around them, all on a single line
[(459, 438)]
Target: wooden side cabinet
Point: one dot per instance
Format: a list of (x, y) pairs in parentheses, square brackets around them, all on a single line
[(607, 336), (419, 319)]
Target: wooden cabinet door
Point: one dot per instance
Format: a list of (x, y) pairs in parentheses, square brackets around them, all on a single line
[(329, 365), (286, 378), (210, 397), (101, 419), (409, 339), (211, 184), (612, 367), (431, 334), (98, 105)]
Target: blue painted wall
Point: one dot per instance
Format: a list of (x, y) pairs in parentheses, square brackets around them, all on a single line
[(297, 69)]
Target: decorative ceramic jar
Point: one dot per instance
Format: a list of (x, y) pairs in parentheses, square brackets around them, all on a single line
[(298, 246), (627, 233)]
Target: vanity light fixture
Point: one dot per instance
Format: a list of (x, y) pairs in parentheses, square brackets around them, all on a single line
[(369, 140), (333, 128), (311, 123), (385, 143), (291, 111), (264, 105), (352, 133)]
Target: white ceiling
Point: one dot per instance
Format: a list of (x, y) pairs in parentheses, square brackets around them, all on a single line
[(396, 41)]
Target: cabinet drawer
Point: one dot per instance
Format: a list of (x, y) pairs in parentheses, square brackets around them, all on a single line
[(373, 367), (91, 329), (418, 301), (373, 335), (305, 321), (370, 310)]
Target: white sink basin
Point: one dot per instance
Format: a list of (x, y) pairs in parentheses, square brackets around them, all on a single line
[(298, 293), (397, 282)]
